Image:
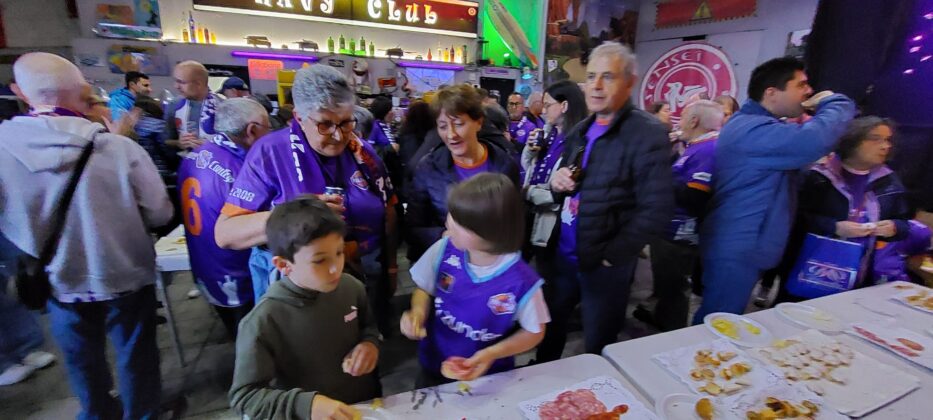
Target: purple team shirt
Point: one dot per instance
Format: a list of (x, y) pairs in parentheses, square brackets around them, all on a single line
[(472, 313), (380, 135), (464, 172), (282, 166), (567, 243), (519, 130), (205, 178), (695, 170)]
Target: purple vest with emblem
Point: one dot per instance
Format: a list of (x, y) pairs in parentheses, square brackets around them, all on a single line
[(471, 313)]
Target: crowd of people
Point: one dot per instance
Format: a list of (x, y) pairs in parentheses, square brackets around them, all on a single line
[(511, 220)]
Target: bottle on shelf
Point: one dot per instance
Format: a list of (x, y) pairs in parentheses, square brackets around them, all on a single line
[(440, 54), (463, 55), (207, 36), (446, 55), (352, 46), (342, 44), (330, 44), (213, 38), (199, 31), (372, 49), (363, 45), (429, 55), (191, 26)]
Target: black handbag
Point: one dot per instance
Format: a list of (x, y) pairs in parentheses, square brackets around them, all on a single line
[(31, 278)]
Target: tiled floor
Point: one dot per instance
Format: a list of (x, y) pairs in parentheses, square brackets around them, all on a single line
[(210, 354)]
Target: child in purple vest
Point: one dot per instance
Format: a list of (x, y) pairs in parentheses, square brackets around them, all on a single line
[(473, 287)]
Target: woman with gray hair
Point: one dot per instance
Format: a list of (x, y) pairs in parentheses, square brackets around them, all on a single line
[(318, 154)]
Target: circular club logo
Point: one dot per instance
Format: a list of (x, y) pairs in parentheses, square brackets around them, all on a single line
[(685, 71)]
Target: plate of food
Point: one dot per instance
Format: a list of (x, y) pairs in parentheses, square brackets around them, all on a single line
[(691, 407), (742, 331), (850, 382), (783, 401), (807, 316), (919, 298), (599, 398), (717, 369), (900, 341)]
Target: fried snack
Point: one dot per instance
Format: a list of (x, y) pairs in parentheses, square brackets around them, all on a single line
[(740, 369), (711, 388), (725, 356), (704, 409)]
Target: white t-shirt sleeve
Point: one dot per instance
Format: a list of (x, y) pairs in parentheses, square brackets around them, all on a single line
[(533, 312), (424, 272)]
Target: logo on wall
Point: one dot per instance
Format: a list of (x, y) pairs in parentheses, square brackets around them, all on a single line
[(688, 70)]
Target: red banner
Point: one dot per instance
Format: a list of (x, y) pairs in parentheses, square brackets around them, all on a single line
[(686, 12)]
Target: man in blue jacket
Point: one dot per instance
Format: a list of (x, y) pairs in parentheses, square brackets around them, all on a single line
[(122, 100), (758, 157)]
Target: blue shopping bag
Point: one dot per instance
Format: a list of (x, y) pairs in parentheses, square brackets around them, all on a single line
[(825, 266)]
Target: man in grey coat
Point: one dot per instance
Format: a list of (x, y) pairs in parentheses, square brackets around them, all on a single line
[(103, 270)]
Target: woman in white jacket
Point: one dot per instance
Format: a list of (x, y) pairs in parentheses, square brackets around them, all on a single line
[(564, 107)]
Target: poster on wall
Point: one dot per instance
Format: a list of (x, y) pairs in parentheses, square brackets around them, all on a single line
[(147, 13), (671, 13), (692, 69), (797, 43), (574, 27), (124, 58), (426, 80)]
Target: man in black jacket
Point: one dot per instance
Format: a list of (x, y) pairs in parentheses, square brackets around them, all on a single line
[(616, 187)]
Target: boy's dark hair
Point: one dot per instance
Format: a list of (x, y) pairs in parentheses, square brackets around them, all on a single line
[(380, 107), (857, 132), (133, 77), (297, 223), (490, 206), (149, 106), (772, 73), (459, 100)]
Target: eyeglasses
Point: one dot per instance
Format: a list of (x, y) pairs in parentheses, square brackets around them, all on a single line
[(514, 104), (547, 105), (329, 127)]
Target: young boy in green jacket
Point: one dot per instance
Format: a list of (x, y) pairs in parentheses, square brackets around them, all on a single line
[(311, 344)]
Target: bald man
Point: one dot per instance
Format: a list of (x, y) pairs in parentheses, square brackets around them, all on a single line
[(190, 118), (536, 106), (103, 273)]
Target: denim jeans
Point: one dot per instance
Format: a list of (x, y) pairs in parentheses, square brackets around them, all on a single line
[(129, 321), (727, 286), (602, 294), (19, 331), (263, 271)]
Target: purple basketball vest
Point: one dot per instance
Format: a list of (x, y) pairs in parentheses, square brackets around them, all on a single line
[(472, 313)]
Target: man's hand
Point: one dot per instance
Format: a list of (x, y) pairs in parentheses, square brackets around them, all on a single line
[(189, 141), (562, 181), (361, 360), (847, 229), (125, 126), (323, 408), (478, 365), (885, 229), (815, 100)]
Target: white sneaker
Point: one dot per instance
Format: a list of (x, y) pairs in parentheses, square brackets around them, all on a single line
[(39, 359), (193, 293), (15, 374)]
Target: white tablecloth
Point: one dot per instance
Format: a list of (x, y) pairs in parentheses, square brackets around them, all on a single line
[(172, 251), (633, 357), (497, 396)]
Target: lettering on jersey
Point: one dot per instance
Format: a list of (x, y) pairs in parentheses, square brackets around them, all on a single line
[(224, 173), (703, 176), (350, 316), (461, 327), (502, 304), (243, 194), (445, 282)]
